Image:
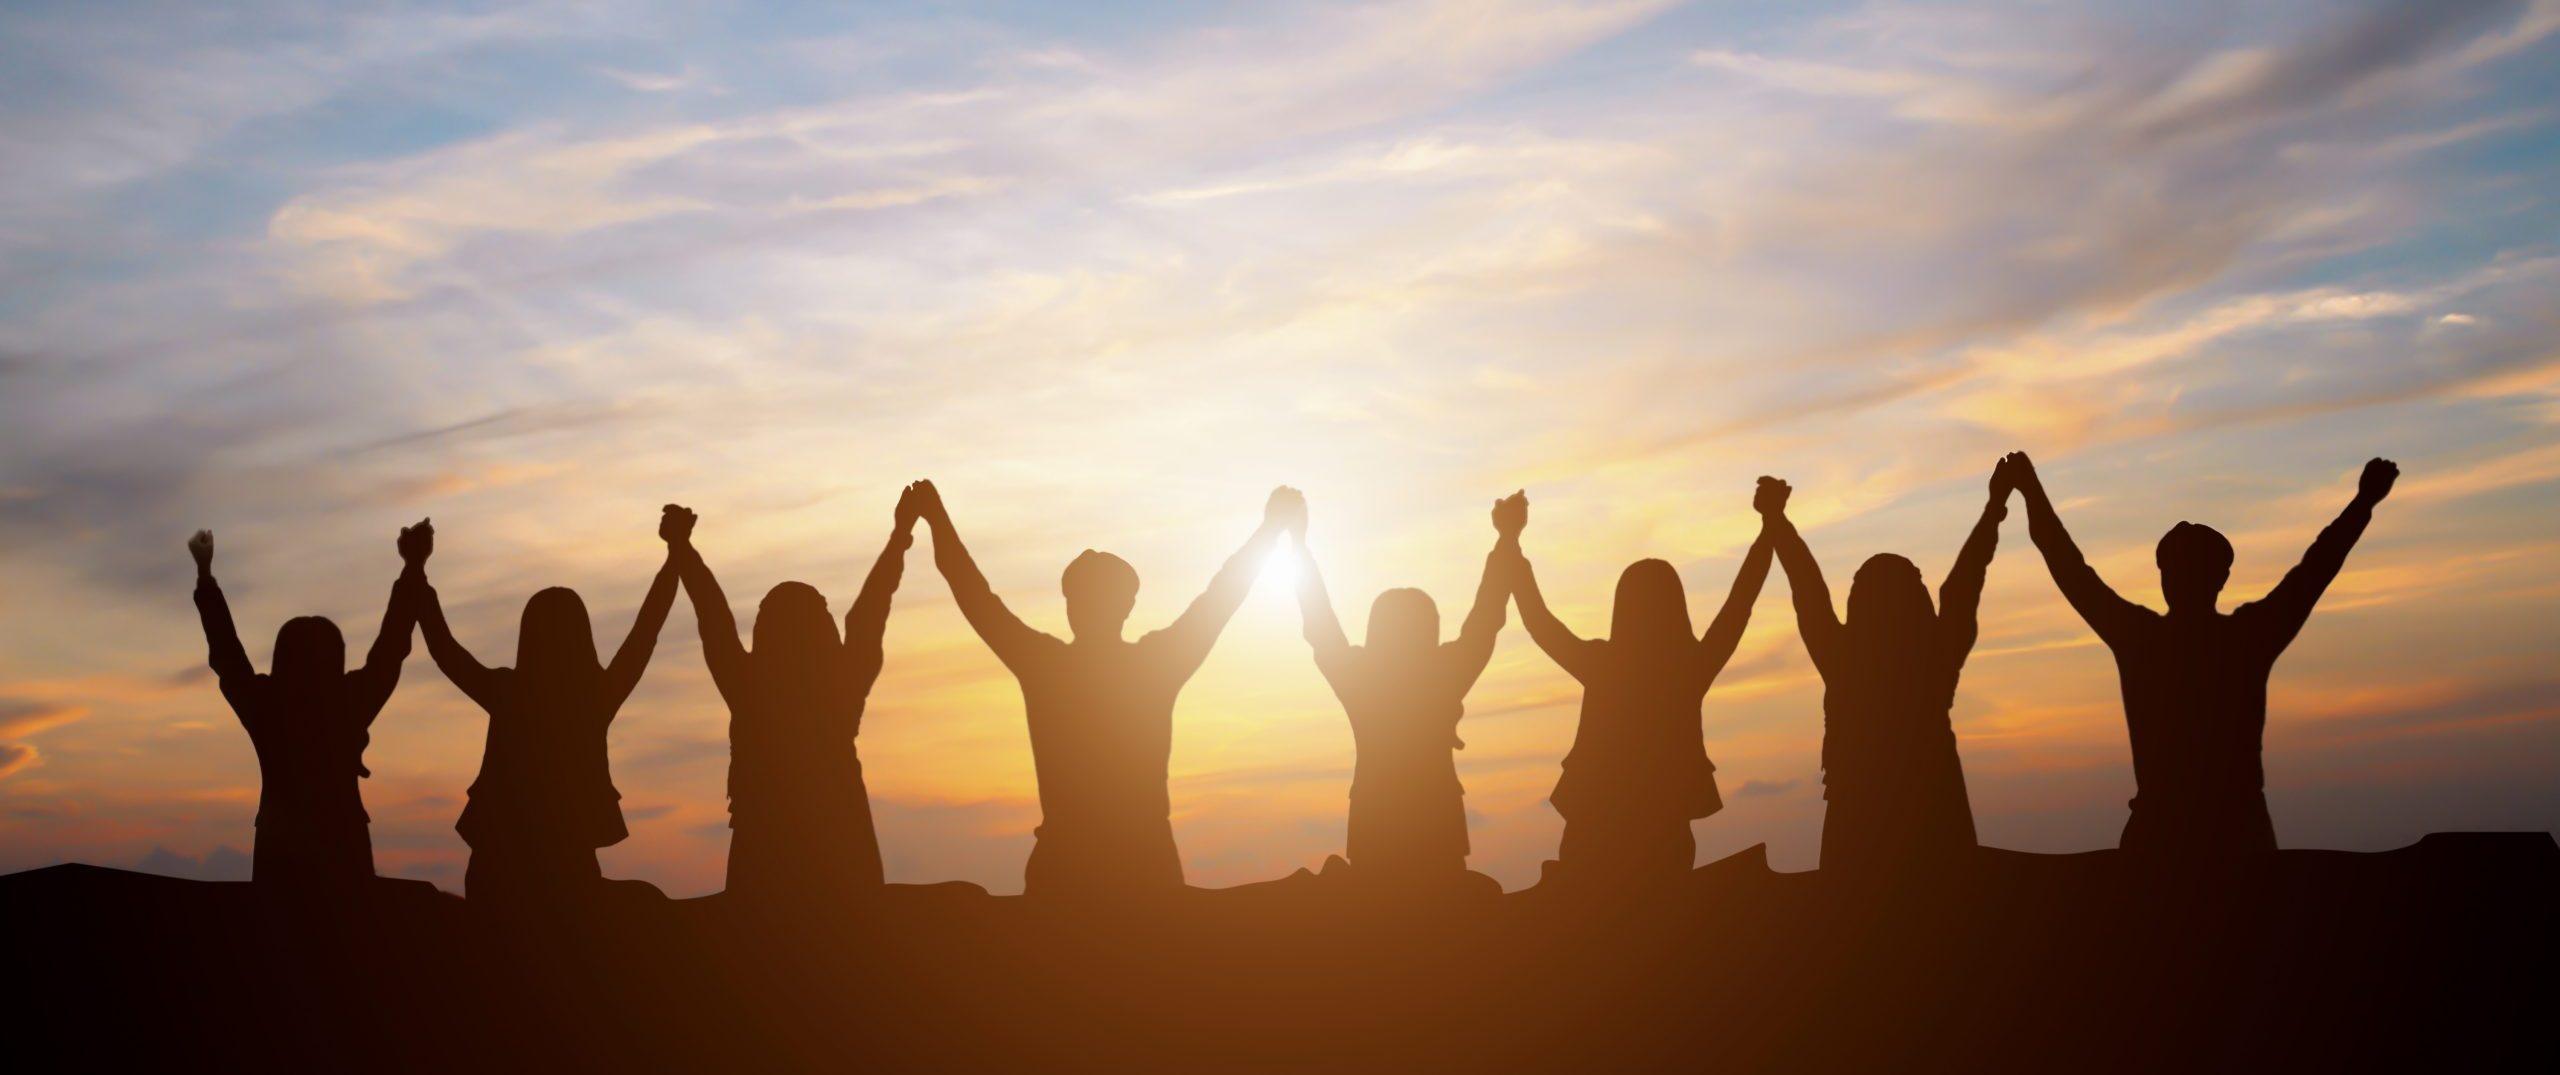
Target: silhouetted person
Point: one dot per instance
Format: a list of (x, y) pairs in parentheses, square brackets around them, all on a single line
[(309, 720), (2195, 679), (1405, 691), (1890, 773), (799, 816), (1638, 771), (1101, 707), (544, 800)]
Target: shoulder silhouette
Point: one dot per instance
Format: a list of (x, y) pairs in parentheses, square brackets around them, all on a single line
[(1100, 707), (1638, 771), (309, 719), (2195, 677)]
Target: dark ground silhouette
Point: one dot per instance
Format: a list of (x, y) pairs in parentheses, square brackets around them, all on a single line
[(1638, 773), (799, 812), (2435, 957), (1101, 707), (2195, 678)]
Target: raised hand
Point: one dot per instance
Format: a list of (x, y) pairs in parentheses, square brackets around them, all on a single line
[(417, 543), (1286, 510), (1770, 497), (2379, 474), (2022, 472), (675, 524), (201, 547), (928, 503), (1511, 514), (910, 505)]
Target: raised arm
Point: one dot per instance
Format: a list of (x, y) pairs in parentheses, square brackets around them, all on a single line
[(1191, 634), (2289, 605), (1570, 651), (1315, 614), (868, 620), (1474, 647), (675, 527), (371, 685), (1724, 633), (223, 652), (1817, 622), (721, 651), (2097, 603), (468, 675), (997, 626), (1960, 596)]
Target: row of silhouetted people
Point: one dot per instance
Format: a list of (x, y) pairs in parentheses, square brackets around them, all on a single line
[(1100, 708)]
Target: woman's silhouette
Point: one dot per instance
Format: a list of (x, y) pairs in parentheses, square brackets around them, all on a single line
[(799, 817), (1405, 691), (309, 720), (544, 800), (1638, 771), (1891, 776)]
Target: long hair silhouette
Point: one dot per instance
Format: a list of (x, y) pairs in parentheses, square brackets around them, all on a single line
[(1638, 772)]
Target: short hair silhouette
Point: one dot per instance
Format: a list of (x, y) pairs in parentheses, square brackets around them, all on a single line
[(2195, 679), (1100, 709)]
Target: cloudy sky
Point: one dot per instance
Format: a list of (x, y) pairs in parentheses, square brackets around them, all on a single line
[(306, 272)]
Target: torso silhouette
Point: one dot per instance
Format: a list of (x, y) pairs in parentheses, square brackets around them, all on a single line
[(1101, 717), (544, 779), (1640, 748), (1408, 810), (2195, 707), (1892, 779)]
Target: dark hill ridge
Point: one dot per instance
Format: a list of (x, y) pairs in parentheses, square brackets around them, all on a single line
[(2436, 954)]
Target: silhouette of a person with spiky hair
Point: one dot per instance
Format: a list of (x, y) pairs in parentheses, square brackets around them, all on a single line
[(2195, 677), (1100, 706)]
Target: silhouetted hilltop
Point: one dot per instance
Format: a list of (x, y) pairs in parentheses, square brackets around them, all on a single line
[(2437, 953)]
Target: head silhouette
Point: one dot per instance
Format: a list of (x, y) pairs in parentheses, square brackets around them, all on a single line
[(1101, 589), (793, 628), (310, 653), (1652, 608), (1403, 621), (2195, 560), (1887, 599), (555, 641)]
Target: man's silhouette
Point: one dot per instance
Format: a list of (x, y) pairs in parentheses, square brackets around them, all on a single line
[(1405, 691), (544, 800), (799, 815), (1892, 782), (309, 720), (1638, 772), (2195, 679), (1101, 707)]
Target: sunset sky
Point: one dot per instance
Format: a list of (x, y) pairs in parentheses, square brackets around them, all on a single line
[(303, 273)]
